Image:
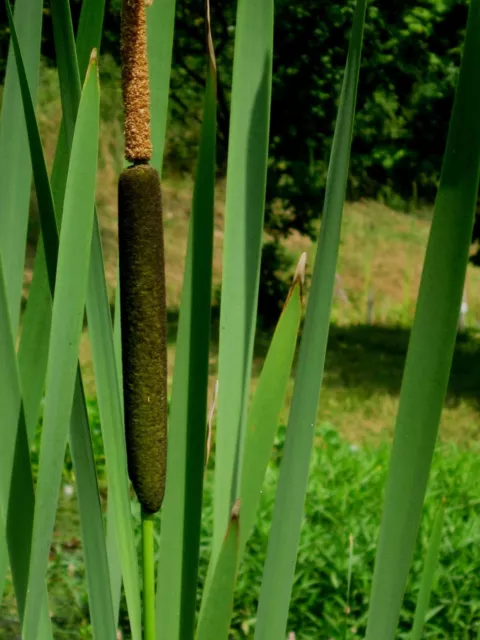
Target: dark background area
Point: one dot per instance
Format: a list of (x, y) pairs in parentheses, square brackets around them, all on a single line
[(411, 54), (412, 50)]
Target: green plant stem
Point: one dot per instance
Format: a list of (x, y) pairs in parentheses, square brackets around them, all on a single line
[(148, 576)]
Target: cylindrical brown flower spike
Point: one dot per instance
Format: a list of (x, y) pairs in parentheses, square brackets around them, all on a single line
[(142, 276), (142, 291), (136, 90)]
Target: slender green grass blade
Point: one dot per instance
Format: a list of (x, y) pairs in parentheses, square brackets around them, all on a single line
[(33, 349), (245, 203), (267, 403), (67, 318), (114, 566), (112, 538), (80, 442), (182, 508), (160, 29), (89, 32), (262, 420), (426, 584), (67, 63), (42, 183), (91, 520), (108, 393), (15, 171), (431, 344), (285, 531), (215, 616), (99, 319), (16, 476)]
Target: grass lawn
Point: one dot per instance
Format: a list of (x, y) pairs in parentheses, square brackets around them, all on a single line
[(340, 527)]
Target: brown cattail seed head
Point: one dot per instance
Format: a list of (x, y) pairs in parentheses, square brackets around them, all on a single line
[(144, 340), (136, 91)]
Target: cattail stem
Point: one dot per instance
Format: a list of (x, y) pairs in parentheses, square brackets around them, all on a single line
[(148, 576)]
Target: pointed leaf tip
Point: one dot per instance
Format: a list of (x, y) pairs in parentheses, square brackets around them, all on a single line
[(235, 513), (298, 278), (300, 270)]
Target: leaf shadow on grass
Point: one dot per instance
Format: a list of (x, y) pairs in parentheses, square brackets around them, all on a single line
[(371, 358)]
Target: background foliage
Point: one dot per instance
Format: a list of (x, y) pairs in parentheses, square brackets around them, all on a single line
[(411, 56)]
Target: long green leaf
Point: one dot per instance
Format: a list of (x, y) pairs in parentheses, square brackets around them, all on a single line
[(67, 63), (33, 349), (15, 171), (245, 204), (268, 401), (426, 584), (91, 520), (285, 531), (15, 174), (160, 29), (215, 615), (99, 319), (182, 508), (112, 538), (67, 317), (106, 378), (80, 441), (89, 32), (15, 468), (431, 344)]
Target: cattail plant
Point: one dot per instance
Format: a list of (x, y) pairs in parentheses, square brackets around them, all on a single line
[(142, 295), (130, 358)]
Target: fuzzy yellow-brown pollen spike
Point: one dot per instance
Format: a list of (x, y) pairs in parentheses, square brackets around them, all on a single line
[(136, 91)]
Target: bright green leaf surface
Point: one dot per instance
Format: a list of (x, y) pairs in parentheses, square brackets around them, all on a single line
[(182, 508), (245, 204), (215, 615), (285, 531), (431, 344), (67, 319), (428, 576)]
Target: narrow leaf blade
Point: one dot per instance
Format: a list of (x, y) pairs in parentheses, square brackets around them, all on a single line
[(15, 171), (160, 30), (245, 204), (215, 616), (428, 576), (67, 317), (268, 401), (80, 442), (182, 508), (16, 483), (279, 567), (99, 320), (431, 345)]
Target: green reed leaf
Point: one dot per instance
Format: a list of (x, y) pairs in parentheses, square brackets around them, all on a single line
[(245, 205), (279, 567), (67, 319), (15, 170), (428, 576), (182, 508), (431, 344)]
